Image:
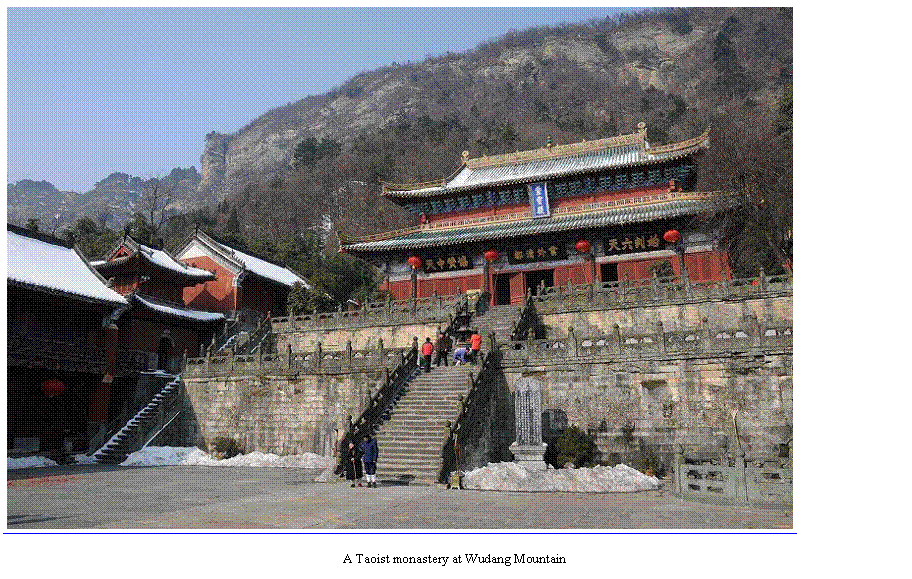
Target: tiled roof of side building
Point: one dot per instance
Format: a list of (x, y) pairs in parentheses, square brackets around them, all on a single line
[(241, 260), (550, 162), (55, 268), (178, 310), (157, 257)]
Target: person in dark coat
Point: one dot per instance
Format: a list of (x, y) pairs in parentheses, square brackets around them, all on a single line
[(370, 453), (353, 464), (442, 348)]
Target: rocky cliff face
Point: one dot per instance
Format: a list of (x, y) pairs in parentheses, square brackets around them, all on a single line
[(576, 81)]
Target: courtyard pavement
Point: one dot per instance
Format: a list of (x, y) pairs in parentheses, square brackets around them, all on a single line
[(208, 497)]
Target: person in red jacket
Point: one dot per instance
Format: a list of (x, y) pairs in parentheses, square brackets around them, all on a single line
[(427, 350), (475, 342)]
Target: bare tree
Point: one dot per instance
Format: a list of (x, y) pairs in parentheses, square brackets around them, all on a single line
[(156, 207), (750, 164)]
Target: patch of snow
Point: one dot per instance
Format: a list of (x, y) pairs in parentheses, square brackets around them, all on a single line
[(29, 462), (187, 313), (172, 456), (163, 259), (510, 476), (84, 459)]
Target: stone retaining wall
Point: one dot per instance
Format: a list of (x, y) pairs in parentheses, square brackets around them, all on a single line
[(285, 413)]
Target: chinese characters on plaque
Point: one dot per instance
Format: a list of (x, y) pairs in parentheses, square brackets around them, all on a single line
[(542, 252), (446, 263), (538, 199), (632, 243)]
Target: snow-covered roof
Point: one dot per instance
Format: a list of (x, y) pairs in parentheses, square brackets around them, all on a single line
[(269, 270), (181, 312), (164, 259), (203, 244), (157, 257), (56, 268)]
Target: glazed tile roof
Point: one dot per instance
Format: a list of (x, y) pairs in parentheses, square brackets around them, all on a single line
[(157, 257), (550, 162), (54, 268), (176, 310), (244, 261), (425, 237)]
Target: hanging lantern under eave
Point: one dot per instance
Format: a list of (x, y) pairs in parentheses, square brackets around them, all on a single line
[(414, 261), (491, 255), (583, 246), (52, 387), (672, 236)]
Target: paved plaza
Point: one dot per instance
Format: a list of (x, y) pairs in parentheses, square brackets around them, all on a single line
[(205, 497)]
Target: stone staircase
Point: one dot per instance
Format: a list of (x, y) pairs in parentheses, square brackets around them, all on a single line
[(411, 440), (498, 319), (116, 450)]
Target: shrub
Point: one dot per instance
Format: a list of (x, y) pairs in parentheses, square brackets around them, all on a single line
[(576, 446), (227, 447)]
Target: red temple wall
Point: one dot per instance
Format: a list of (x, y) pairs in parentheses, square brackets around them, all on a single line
[(217, 295)]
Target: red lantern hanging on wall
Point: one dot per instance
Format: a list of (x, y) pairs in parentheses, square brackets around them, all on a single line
[(52, 387), (583, 246), (672, 236), (414, 261), (491, 255)]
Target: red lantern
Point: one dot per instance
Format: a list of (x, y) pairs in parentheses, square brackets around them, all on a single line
[(491, 255), (583, 246), (52, 387), (414, 261), (672, 236)]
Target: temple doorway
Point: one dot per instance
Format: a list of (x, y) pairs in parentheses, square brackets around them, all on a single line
[(502, 289), (609, 272), (536, 280), (164, 353)]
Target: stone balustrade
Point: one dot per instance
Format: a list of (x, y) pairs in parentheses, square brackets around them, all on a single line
[(434, 309), (657, 343), (657, 292), (318, 361)]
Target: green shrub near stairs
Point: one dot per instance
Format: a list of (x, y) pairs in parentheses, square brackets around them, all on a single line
[(575, 445), (226, 446)]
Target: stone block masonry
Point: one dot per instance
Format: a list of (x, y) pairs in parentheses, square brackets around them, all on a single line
[(283, 413)]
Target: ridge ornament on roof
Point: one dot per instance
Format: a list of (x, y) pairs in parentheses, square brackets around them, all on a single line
[(550, 161)]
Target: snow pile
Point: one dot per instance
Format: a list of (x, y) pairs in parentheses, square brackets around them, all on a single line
[(510, 476), (29, 462), (174, 456), (169, 455)]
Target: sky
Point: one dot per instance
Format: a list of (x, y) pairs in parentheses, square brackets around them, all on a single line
[(98, 90)]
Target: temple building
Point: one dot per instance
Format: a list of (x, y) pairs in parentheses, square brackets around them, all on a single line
[(244, 285), (609, 210), (159, 327), (62, 342)]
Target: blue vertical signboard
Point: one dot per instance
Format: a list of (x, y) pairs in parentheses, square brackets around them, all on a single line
[(538, 198)]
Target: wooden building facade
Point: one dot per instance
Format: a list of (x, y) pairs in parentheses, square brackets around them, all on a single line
[(62, 343), (598, 211), (159, 327)]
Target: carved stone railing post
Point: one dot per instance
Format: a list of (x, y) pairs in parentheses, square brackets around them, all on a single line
[(756, 332), (381, 351), (348, 352), (572, 351), (208, 359), (763, 281), (708, 337), (318, 357), (680, 474), (288, 353), (618, 347), (660, 336), (654, 287)]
